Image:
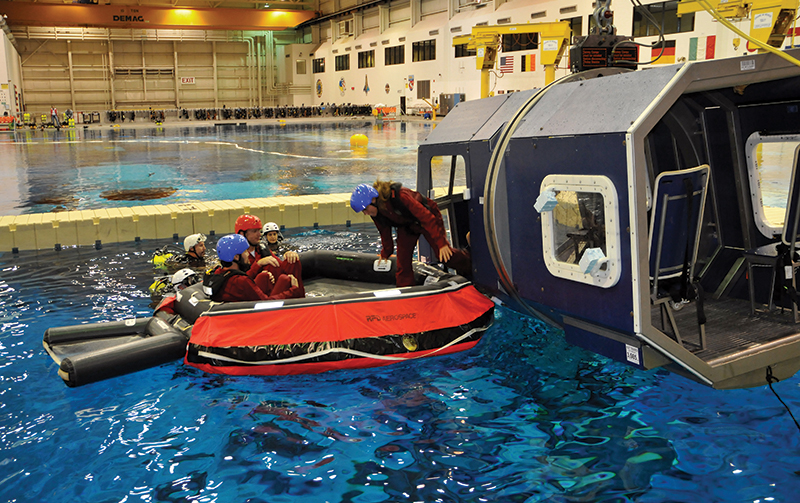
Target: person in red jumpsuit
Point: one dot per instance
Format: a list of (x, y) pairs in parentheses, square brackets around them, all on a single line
[(392, 205), (229, 282), (262, 258)]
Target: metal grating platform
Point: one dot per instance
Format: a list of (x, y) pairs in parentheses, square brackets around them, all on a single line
[(729, 327)]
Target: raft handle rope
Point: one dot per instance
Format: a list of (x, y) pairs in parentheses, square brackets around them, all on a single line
[(294, 359), (771, 379)]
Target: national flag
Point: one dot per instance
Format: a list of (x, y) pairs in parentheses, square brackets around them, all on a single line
[(506, 64), (667, 55), (796, 39), (701, 48), (528, 63)]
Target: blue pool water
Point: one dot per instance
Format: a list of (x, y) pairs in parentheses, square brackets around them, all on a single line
[(75, 169), (522, 417)]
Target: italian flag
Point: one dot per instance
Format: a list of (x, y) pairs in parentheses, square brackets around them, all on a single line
[(701, 48)]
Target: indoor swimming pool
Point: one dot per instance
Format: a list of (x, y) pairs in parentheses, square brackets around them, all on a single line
[(522, 417), (98, 168)]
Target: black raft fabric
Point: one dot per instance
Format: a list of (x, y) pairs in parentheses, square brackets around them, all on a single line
[(167, 344)]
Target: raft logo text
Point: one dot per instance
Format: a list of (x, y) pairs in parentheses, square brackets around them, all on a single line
[(392, 317)]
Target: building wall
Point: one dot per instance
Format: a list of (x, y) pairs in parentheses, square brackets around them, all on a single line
[(10, 84), (90, 69), (112, 71), (448, 74)]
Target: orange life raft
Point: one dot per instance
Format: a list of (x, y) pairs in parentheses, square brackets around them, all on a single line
[(353, 317)]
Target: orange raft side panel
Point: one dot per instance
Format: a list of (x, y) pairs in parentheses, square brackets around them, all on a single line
[(341, 321), (319, 367)]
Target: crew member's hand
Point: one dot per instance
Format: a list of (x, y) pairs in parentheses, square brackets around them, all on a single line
[(269, 261), (271, 278), (291, 256), (294, 280), (445, 252)]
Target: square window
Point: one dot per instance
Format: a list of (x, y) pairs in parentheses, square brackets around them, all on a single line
[(585, 217), (770, 162)]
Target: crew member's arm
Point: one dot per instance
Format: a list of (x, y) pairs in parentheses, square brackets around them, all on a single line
[(291, 256), (289, 292), (387, 244)]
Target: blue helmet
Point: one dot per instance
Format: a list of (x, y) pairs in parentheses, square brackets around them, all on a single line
[(231, 245), (362, 197)]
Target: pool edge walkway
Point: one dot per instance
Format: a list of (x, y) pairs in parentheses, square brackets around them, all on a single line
[(47, 231), (42, 231)]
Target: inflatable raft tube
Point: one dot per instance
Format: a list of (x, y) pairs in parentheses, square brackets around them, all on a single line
[(374, 325), (93, 352)]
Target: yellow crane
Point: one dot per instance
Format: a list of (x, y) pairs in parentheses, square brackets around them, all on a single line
[(486, 40), (770, 20)]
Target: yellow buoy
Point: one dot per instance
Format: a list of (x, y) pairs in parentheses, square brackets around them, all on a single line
[(358, 140)]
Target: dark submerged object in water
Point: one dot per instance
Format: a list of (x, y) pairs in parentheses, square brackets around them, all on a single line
[(138, 194)]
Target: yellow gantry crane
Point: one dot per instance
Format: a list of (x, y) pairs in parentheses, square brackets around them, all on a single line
[(486, 40), (770, 20)]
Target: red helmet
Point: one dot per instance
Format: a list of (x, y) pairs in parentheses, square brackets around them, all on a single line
[(247, 222)]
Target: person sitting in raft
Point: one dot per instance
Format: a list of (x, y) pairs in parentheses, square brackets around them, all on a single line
[(272, 238), (230, 282), (261, 257), (392, 205)]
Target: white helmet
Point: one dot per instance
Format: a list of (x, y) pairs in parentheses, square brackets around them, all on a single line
[(272, 227), (184, 277), (192, 240)]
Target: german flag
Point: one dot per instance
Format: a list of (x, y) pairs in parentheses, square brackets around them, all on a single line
[(668, 54), (529, 63)]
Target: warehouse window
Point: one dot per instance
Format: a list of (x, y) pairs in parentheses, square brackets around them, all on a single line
[(423, 51), (395, 55), (342, 62), (665, 14)]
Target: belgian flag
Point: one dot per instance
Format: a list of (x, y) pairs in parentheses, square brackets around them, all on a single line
[(529, 63), (668, 54)]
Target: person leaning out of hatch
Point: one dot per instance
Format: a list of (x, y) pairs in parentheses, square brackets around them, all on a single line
[(230, 282), (392, 205)]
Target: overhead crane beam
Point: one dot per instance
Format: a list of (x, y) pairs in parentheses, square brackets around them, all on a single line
[(486, 40), (146, 17), (770, 20)]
